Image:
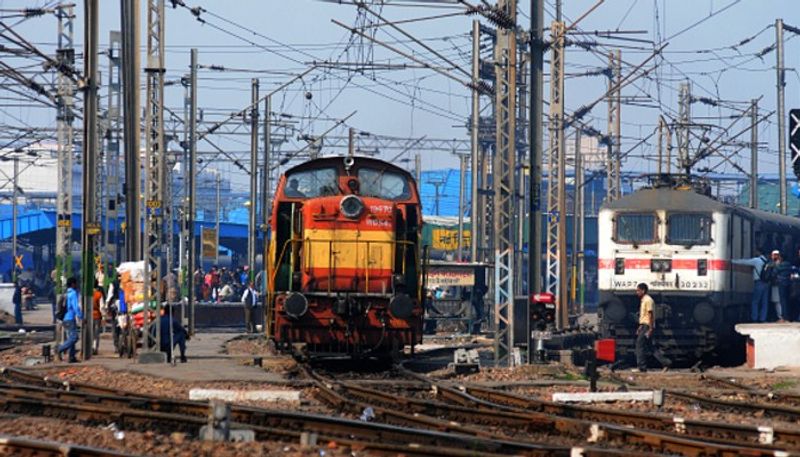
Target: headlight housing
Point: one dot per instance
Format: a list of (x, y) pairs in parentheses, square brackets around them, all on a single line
[(352, 207)]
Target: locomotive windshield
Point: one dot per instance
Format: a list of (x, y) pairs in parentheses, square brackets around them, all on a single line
[(689, 229), (318, 182), (636, 228), (383, 184)]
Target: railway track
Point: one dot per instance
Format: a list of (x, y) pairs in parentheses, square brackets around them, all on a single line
[(482, 411), (709, 400), (23, 447), (26, 394)]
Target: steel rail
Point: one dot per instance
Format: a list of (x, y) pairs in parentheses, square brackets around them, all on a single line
[(26, 447), (143, 412)]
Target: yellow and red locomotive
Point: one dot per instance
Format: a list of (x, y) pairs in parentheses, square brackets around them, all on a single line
[(344, 263)]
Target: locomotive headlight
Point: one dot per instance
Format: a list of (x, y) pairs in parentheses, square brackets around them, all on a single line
[(615, 311), (619, 266), (352, 206), (401, 306), (295, 305), (703, 313), (702, 267)]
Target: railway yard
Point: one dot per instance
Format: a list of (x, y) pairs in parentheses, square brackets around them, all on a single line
[(418, 406)]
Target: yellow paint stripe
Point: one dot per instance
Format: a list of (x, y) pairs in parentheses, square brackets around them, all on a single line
[(351, 249)]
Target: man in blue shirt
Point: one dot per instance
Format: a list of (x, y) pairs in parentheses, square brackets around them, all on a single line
[(72, 318), (178, 334), (761, 286)]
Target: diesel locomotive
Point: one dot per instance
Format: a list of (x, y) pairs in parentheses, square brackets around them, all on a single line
[(344, 261), (680, 241)]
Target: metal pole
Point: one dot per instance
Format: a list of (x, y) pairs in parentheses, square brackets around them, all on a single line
[(462, 189), (535, 137), (251, 236), (14, 222), (418, 168), (113, 159), (576, 206), (130, 86), (684, 121), (265, 210), (64, 117), (781, 114), (754, 154), (475, 146), (503, 177), (91, 228), (351, 141), (218, 216), (192, 204), (660, 164), (580, 195)]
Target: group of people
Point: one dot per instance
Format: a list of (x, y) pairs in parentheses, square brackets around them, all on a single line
[(773, 279), (220, 284), (107, 306)]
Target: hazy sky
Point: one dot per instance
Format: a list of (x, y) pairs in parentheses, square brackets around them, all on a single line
[(416, 102)]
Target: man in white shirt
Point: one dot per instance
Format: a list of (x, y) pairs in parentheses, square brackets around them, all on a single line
[(249, 300), (761, 286)]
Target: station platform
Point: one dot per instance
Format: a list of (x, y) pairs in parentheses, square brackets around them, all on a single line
[(772, 345), (207, 361)]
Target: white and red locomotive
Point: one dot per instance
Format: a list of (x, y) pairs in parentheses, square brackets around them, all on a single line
[(680, 242)]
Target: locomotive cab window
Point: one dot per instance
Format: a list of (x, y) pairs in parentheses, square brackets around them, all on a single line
[(689, 229), (388, 185), (319, 182), (635, 228)]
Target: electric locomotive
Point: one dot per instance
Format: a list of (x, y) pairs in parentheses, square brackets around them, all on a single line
[(344, 272), (680, 242)]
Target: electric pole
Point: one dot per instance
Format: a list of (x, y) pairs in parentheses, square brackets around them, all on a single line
[(64, 134), (535, 137), (754, 154), (503, 170), (191, 206), (265, 211), (614, 138), (462, 189), (15, 192), (577, 226), (781, 83), (251, 235), (91, 228), (112, 159), (130, 97), (684, 124), (556, 218), (475, 223), (155, 162), (664, 140), (218, 217)]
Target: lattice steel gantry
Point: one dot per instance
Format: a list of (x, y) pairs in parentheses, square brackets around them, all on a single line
[(556, 280), (154, 172), (112, 150), (503, 171), (65, 136), (613, 186)]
